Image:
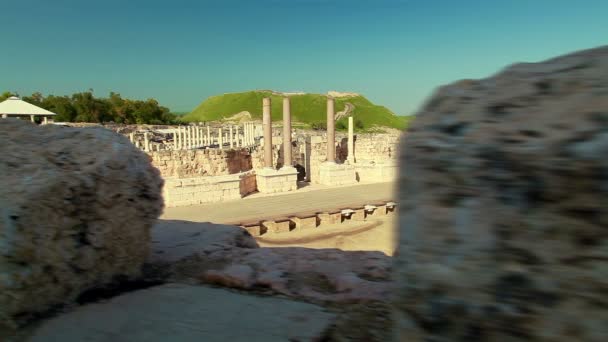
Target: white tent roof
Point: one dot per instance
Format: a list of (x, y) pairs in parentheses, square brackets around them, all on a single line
[(15, 106)]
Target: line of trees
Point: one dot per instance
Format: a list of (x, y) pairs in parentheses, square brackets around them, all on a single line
[(85, 107)]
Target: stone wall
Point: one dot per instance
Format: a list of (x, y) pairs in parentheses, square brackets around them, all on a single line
[(376, 154), (503, 215), (376, 147), (199, 163), (193, 174), (199, 190)]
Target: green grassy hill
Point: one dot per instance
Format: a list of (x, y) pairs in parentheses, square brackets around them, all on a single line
[(305, 108)]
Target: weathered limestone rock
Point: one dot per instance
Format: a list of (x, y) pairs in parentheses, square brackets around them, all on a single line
[(179, 312), (504, 207), (228, 256), (76, 205)]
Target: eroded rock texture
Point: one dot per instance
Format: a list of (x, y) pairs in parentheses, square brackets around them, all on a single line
[(229, 256), (504, 207), (76, 208)]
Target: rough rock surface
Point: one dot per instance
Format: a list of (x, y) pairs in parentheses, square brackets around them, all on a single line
[(228, 256), (504, 207), (77, 206), (178, 312)]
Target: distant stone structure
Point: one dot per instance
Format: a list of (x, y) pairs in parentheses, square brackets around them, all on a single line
[(269, 179), (77, 205), (331, 173), (503, 207)]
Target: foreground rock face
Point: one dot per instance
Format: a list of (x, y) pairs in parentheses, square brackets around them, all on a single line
[(504, 207), (178, 312), (77, 206), (228, 256)]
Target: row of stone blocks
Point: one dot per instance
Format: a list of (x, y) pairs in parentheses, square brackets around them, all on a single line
[(313, 220)]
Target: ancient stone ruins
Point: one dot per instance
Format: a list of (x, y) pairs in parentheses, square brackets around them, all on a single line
[(221, 161), (501, 233)]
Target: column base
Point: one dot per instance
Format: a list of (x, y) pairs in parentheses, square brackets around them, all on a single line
[(273, 181), (331, 173)]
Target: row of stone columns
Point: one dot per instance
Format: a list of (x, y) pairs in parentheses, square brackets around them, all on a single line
[(194, 137), (287, 148), (331, 134), (249, 134), (267, 124), (147, 145)]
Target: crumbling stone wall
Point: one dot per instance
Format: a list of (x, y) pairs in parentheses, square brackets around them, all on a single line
[(369, 148), (77, 206), (376, 147), (199, 190), (196, 163), (503, 207)]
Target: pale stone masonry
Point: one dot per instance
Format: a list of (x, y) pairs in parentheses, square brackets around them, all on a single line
[(201, 163), (273, 181), (199, 190)]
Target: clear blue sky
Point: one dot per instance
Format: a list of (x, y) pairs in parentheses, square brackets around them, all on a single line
[(180, 52)]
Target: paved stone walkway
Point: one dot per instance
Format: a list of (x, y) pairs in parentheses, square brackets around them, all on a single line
[(302, 201)]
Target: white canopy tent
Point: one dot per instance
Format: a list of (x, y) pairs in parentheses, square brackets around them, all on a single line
[(15, 107)]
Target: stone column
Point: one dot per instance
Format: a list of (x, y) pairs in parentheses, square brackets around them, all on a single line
[(208, 135), (267, 121), (4, 116), (231, 137), (178, 138), (32, 118), (192, 140), (236, 136), (46, 120), (186, 138), (331, 131), (182, 138), (250, 139), (132, 138), (287, 161), (351, 141), (146, 142), (197, 137), (244, 134), (220, 138)]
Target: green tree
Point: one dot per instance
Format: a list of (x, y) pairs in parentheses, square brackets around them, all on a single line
[(60, 105), (5, 95), (85, 107)]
